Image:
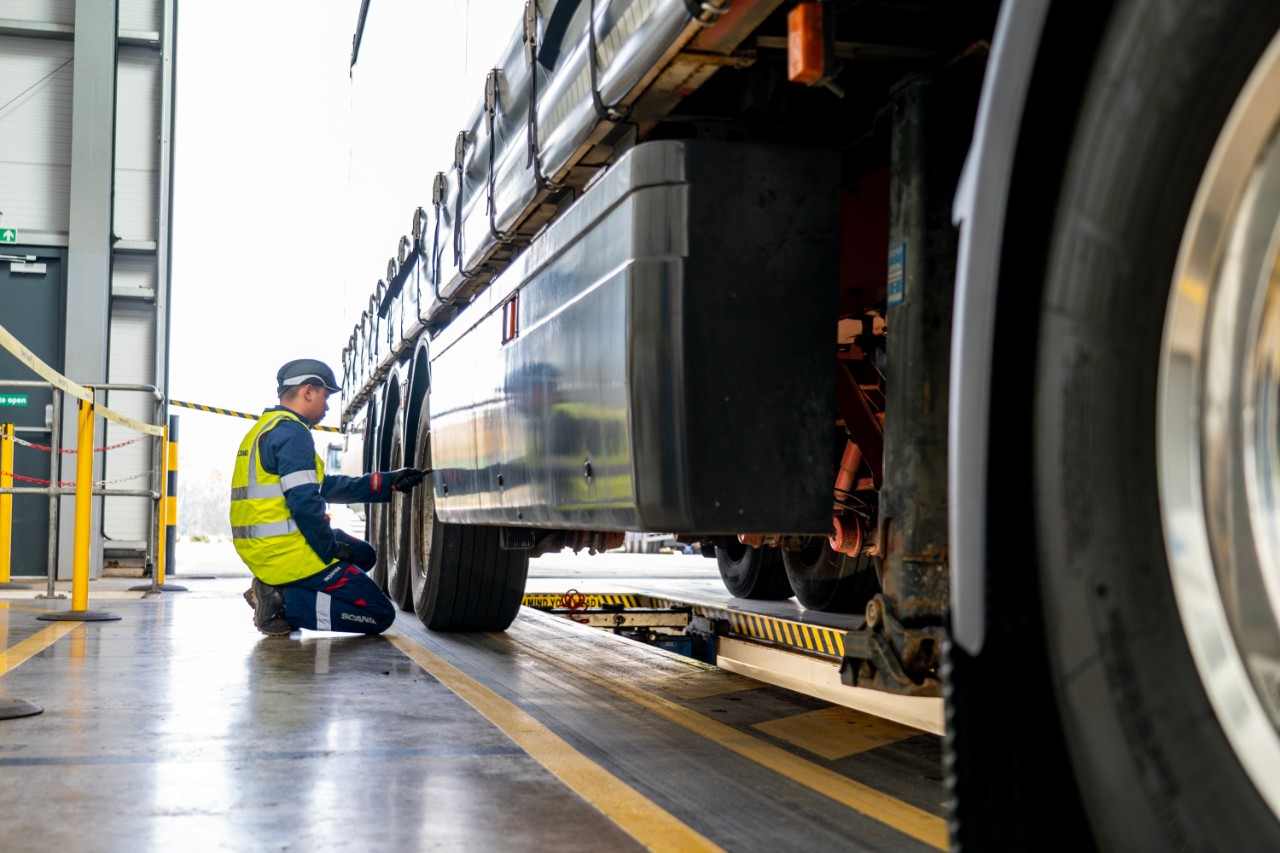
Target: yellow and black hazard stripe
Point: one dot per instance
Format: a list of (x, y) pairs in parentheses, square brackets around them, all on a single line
[(552, 601), (234, 414), (816, 639), (802, 637), (787, 633)]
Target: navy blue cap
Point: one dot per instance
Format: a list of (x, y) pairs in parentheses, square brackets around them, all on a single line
[(305, 371)]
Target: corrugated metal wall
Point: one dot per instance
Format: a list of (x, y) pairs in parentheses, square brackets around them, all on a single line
[(137, 156), (135, 222), (132, 360), (39, 11), (139, 15), (35, 133)]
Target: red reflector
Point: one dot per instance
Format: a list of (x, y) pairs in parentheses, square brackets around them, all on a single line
[(804, 43)]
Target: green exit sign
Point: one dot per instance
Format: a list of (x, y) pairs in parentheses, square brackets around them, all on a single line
[(13, 399), (9, 235)]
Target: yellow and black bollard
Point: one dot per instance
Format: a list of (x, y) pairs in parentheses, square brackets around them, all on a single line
[(80, 611), (171, 504), (166, 512)]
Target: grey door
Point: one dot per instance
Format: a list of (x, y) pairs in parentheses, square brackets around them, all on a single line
[(31, 308)]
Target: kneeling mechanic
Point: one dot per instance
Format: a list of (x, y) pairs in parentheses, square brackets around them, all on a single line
[(306, 574)]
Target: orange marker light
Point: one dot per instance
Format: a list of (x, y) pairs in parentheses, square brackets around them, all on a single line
[(804, 43)]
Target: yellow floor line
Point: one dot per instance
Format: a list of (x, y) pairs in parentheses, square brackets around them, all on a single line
[(906, 818), (836, 732), (36, 643), (648, 823)]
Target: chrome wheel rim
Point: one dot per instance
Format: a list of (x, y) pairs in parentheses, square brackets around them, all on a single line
[(424, 503), (395, 507), (1218, 433)]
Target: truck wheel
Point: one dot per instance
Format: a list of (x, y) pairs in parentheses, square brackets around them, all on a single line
[(395, 545), (830, 582), (374, 514), (1155, 433), (753, 572), (462, 580)]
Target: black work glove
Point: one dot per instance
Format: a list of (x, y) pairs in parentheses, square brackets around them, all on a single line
[(404, 479), (357, 552)]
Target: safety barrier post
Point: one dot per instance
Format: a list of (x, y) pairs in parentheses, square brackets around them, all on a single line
[(55, 440), (171, 508), (80, 611), (166, 511), (162, 514)]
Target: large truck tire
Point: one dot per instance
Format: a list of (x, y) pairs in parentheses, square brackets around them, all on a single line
[(750, 572), (396, 544), (830, 582), (1150, 444), (461, 577), (375, 519)]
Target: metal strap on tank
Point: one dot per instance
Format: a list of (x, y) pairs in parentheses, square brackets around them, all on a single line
[(347, 353), (605, 112), (370, 333), (354, 345), (491, 111), (541, 181), (262, 531), (459, 163), (413, 246), (437, 201)]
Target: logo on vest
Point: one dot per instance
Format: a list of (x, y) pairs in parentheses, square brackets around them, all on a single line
[(356, 617), (242, 453)]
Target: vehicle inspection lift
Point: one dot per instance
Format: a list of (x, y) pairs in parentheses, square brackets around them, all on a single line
[(687, 610)]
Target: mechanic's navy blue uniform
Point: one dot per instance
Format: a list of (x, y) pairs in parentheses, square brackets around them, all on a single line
[(340, 597)]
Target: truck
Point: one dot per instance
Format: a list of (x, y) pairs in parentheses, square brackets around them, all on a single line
[(963, 316)]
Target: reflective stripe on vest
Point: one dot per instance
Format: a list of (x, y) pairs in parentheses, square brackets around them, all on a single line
[(264, 533)]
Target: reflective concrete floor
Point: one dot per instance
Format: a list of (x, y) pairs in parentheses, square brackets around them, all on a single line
[(179, 727)]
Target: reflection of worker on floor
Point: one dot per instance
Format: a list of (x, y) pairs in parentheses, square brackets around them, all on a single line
[(306, 574)]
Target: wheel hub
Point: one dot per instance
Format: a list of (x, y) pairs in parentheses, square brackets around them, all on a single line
[(1219, 428)]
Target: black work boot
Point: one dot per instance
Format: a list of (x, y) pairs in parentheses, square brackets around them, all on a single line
[(268, 609)]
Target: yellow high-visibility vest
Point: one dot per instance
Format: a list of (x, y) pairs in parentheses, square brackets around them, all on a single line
[(265, 535)]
